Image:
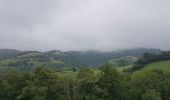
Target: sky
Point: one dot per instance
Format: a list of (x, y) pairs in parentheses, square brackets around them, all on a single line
[(102, 25)]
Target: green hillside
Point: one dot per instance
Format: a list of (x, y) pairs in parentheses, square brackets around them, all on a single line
[(123, 68), (123, 61), (162, 65), (28, 60), (29, 54)]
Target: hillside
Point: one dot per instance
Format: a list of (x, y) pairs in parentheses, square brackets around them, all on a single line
[(28, 60), (123, 61), (5, 53), (163, 65)]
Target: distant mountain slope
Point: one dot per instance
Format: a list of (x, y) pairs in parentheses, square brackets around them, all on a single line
[(29, 54), (29, 60), (4, 53), (80, 59), (59, 59), (137, 52), (94, 58)]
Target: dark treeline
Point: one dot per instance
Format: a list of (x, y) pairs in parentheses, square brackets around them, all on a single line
[(149, 58), (107, 84)]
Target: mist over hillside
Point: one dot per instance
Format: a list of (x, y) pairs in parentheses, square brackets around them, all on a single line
[(84, 50), (4, 53), (27, 60)]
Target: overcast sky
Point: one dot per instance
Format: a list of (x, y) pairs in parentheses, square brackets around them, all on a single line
[(84, 24)]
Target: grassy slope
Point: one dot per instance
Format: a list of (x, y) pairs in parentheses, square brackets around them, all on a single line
[(124, 67), (29, 57), (162, 65)]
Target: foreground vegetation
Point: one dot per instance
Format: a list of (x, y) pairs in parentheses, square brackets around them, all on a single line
[(85, 84)]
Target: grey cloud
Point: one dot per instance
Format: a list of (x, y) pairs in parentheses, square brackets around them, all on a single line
[(84, 24)]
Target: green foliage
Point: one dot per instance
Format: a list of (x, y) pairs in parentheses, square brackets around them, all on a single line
[(108, 82), (151, 95), (85, 84), (43, 86), (157, 80), (74, 69)]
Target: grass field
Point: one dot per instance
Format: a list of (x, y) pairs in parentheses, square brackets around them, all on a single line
[(162, 65), (124, 67)]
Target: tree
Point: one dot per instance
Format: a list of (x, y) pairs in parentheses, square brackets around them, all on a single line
[(153, 80), (151, 95), (44, 86), (108, 83), (87, 81)]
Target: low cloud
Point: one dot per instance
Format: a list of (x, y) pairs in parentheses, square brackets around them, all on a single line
[(84, 24)]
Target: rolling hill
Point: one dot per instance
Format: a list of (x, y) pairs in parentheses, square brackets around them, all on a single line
[(161, 65), (28, 60)]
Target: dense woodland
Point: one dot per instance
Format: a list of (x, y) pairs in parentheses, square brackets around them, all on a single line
[(107, 83)]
